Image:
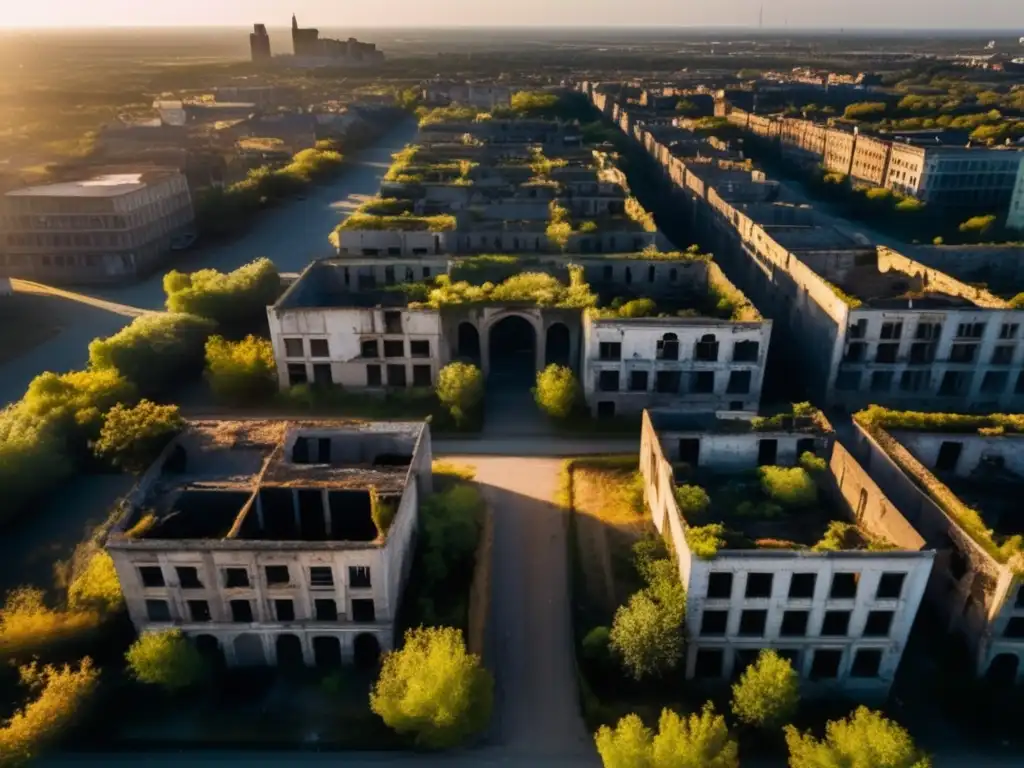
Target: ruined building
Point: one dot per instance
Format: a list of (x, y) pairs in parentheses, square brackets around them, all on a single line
[(307, 44), (259, 43), (273, 542)]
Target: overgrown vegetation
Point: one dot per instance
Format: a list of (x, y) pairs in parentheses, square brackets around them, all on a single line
[(154, 352), (433, 689), (530, 288), (768, 693), (61, 698), (167, 659), (789, 486), (133, 436), (237, 301), (405, 222), (557, 391), (879, 421), (695, 741), (241, 372), (866, 738), (460, 388)]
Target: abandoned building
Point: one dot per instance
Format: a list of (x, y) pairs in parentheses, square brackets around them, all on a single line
[(831, 582), (273, 542), (663, 336), (863, 323), (958, 485)]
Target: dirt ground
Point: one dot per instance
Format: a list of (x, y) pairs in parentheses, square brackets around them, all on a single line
[(609, 522)]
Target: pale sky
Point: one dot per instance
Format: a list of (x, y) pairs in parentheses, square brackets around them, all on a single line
[(1005, 15)]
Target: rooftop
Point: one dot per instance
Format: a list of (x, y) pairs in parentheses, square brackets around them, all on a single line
[(234, 480), (799, 417), (106, 185), (971, 466)]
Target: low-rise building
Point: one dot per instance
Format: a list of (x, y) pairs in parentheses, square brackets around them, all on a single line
[(979, 178), (831, 581), (103, 229), (258, 540), (957, 480), (1015, 217)]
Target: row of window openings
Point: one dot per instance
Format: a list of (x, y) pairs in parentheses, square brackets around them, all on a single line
[(422, 375), (369, 280), (234, 578), (324, 609), (867, 662), (802, 585), (931, 331), (369, 348), (705, 350), (669, 382), (952, 383), (794, 623), (924, 352)]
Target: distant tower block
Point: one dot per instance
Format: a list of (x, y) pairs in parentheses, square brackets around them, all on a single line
[(259, 43)]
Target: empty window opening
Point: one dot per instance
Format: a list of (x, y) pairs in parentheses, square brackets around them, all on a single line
[(667, 347), (321, 577), (949, 456), (151, 576), (606, 409), (826, 664), (844, 586), (714, 622), (351, 515), (284, 610), (199, 610), (835, 623), (801, 586), (394, 348), (794, 623), (709, 663), (359, 576), (363, 610), (867, 662), (689, 453), (392, 322), (752, 623), (327, 652), (319, 348), (638, 381), (369, 348), (241, 611), (668, 382), (890, 586), (703, 382), (878, 624), (706, 350), (767, 452), (608, 381), (396, 376), (188, 577), (419, 348), (325, 609), (236, 577), (158, 610), (759, 584), (739, 383), (746, 352)]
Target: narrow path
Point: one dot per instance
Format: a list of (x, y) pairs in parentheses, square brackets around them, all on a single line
[(536, 699)]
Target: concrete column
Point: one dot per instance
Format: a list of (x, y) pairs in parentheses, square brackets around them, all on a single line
[(540, 353), (307, 648), (485, 350)]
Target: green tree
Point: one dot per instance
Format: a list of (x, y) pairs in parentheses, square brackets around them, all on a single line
[(73, 404), (241, 371), (97, 586), (433, 689), (595, 645), (865, 110), (133, 436), (154, 352), (460, 388), (693, 501), (866, 738), (768, 693), (557, 391), (977, 226), (236, 301), (694, 741), (789, 486), (167, 659), (451, 523), (647, 632)]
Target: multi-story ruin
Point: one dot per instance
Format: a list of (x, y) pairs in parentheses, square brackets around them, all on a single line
[(273, 542)]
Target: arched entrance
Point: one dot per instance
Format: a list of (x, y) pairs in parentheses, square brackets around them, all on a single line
[(366, 651), (513, 350), (209, 647), (1002, 672), (469, 343), (289, 652), (327, 652), (249, 651), (556, 347)]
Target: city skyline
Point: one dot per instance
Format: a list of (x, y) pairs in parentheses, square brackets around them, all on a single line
[(796, 14)]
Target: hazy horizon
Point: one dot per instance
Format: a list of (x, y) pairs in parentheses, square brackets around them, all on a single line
[(794, 15)]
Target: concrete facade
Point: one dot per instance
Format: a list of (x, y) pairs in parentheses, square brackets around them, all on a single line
[(104, 229), (258, 549), (742, 601), (1015, 217), (980, 597)]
